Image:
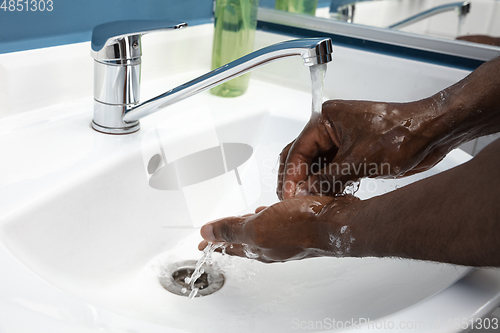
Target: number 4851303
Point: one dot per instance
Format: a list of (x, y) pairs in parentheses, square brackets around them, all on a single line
[(27, 5)]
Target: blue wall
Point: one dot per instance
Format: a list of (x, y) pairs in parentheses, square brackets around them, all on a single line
[(72, 21)]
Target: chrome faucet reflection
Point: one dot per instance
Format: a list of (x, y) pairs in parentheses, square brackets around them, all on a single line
[(116, 49), (346, 13), (463, 8)]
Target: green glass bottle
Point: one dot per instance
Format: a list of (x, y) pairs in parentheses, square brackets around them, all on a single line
[(235, 23), (297, 6)]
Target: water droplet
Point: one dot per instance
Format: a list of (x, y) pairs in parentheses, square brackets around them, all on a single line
[(249, 253), (351, 188), (193, 293)]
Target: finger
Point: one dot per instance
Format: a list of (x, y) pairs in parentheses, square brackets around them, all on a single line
[(257, 210), (281, 169), (230, 230), (230, 249), (239, 250), (260, 209), (235, 250), (203, 244), (307, 148), (245, 251), (298, 164)]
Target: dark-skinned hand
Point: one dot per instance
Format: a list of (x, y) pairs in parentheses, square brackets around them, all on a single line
[(292, 229), (351, 140)]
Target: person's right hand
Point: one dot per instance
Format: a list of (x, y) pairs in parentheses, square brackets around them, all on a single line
[(355, 139), (294, 229)]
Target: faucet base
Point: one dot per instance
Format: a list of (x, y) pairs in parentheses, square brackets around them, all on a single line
[(108, 119), (134, 127)]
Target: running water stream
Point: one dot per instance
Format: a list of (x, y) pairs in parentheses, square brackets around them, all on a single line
[(206, 258), (461, 23), (318, 73)]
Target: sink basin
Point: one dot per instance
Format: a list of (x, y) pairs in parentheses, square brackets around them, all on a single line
[(100, 217), (106, 235)]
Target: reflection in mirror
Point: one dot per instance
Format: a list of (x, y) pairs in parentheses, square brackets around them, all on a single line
[(298, 6), (472, 21)]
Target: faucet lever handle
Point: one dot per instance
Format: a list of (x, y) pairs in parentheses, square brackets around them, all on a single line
[(119, 42)]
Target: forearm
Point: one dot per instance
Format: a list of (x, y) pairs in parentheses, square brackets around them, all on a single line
[(481, 39), (451, 217), (468, 109)]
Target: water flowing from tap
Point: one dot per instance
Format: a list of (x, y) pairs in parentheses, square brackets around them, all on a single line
[(206, 258), (461, 23), (318, 73)]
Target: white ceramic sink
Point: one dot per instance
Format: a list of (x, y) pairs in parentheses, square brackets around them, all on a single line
[(81, 211)]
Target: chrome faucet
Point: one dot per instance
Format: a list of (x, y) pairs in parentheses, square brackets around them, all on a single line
[(346, 13), (116, 49), (463, 8)]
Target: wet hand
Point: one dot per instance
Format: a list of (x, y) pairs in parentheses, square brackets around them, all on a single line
[(292, 229), (351, 140)]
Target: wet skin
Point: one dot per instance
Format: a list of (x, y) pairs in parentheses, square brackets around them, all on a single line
[(293, 229), (451, 217), (481, 39), (400, 139), (356, 139)]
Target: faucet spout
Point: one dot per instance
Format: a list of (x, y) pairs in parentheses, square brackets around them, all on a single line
[(346, 13), (312, 50), (463, 8), (120, 115)]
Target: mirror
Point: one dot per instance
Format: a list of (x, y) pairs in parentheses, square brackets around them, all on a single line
[(431, 25)]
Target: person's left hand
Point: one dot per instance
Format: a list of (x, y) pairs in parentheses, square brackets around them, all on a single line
[(292, 229)]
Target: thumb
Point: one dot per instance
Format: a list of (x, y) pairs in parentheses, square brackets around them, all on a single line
[(229, 230)]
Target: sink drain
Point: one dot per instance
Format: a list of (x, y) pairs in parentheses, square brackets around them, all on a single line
[(174, 279)]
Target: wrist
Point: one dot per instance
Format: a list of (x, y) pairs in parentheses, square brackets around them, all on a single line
[(360, 231), (371, 231), (441, 122), (343, 233), (433, 118), (469, 108)]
